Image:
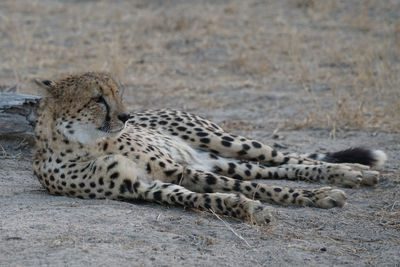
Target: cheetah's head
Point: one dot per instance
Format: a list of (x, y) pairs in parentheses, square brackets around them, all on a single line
[(84, 107)]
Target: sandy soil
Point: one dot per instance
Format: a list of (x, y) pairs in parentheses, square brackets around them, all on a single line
[(295, 74)]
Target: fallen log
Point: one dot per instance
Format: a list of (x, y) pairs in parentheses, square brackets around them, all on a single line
[(17, 113)]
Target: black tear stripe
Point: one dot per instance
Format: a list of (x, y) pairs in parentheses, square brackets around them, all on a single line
[(106, 124), (108, 118)]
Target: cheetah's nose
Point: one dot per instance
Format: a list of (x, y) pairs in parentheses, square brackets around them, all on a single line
[(123, 117)]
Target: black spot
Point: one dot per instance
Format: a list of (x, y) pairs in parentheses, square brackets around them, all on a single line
[(108, 193), (148, 168), (256, 144), (236, 186), (227, 138), (101, 181), (128, 185), (232, 167), (237, 176), (201, 134), (170, 172), (135, 186), (213, 156), (162, 164), (211, 179), (181, 128), (248, 188), (115, 175), (246, 147), (92, 195), (93, 184), (208, 189), (81, 185), (122, 188), (219, 204), (157, 195), (226, 143), (277, 189), (242, 152), (205, 140), (112, 165)]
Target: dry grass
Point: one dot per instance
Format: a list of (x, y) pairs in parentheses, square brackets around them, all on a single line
[(341, 58)]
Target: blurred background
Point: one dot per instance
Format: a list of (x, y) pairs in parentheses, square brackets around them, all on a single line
[(290, 64)]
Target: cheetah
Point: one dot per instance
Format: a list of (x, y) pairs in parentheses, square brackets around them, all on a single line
[(88, 146)]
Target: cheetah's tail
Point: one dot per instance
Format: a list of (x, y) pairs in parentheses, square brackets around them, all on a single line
[(373, 158)]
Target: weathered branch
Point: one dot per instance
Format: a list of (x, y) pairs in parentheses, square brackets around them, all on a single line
[(17, 113)]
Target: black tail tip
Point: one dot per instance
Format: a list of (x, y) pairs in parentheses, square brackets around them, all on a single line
[(373, 158)]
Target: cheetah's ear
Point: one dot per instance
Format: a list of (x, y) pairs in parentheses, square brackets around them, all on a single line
[(48, 85)]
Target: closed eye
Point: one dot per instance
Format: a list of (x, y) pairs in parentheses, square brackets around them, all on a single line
[(99, 99)]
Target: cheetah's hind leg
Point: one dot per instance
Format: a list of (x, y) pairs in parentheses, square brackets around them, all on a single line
[(121, 179), (346, 175), (208, 182)]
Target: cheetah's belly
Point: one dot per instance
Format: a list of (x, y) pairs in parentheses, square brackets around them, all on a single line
[(178, 150), (184, 154)]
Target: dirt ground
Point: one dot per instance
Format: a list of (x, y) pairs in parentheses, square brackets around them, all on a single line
[(301, 75)]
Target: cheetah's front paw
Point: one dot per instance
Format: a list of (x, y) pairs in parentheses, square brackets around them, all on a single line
[(325, 198), (245, 208), (261, 214)]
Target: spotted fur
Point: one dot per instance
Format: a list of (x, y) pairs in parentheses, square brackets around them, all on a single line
[(88, 146)]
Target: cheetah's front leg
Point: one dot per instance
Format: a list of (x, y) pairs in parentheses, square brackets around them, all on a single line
[(233, 205), (117, 177)]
